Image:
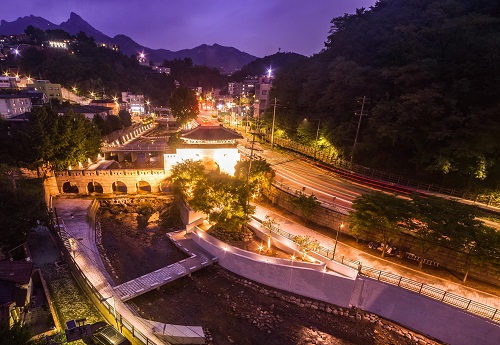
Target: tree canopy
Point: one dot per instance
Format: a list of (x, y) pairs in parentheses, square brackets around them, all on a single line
[(53, 141), (184, 104), (429, 69), (21, 205), (435, 222)]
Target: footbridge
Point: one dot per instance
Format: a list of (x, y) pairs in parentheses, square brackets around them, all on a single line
[(198, 258)]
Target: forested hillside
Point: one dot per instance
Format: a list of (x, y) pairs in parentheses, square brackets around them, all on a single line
[(431, 71), (99, 70)]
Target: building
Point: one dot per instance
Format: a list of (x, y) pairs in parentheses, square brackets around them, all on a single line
[(109, 46), (51, 90), (13, 105), (15, 290), (214, 146), (161, 69), (135, 103), (115, 106), (262, 89), (9, 82), (89, 111), (235, 89)]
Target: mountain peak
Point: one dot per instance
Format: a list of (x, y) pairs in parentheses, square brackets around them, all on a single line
[(74, 16)]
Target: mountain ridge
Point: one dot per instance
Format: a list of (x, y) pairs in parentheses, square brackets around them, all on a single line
[(226, 59)]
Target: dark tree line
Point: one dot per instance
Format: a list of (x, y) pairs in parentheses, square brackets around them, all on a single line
[(430, 69), (106, 72), (435, 222)]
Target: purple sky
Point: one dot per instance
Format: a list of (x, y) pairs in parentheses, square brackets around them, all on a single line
[(257, 27)]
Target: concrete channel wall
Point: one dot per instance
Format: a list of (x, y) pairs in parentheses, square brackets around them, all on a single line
[(418, 312), (309, 280), (426, 315)]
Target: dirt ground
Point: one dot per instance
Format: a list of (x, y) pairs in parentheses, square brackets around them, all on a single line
[(231, 309)]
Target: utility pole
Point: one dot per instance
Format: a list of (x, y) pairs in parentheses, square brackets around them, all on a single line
[(272, 130), (316, 141), (360, 113)]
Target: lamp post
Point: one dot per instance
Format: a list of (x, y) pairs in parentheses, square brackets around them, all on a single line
[(336, 240), (316, 141), (361, 113)]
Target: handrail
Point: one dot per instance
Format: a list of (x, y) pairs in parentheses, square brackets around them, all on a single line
[(466, 304), (113, 313)]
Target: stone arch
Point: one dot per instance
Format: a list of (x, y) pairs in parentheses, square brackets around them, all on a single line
[(119, 187), (69, 187), (166, 185), (143, 187), (94, 187)]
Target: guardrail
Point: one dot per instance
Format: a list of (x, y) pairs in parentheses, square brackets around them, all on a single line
[(332, 159), (466, 304), (294, 191), (113, 313)]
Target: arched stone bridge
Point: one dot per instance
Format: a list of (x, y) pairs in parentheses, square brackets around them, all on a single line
[(129, 181)]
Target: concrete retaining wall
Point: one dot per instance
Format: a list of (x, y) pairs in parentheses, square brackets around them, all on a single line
[(426, 315), (308, 280)]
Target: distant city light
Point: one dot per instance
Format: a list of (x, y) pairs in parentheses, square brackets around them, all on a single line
[(269, 72)]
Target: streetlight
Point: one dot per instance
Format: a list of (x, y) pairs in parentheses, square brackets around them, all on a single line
[(336, 240), (317, 137)]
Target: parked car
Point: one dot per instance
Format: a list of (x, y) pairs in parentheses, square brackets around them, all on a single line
[(108, 335)]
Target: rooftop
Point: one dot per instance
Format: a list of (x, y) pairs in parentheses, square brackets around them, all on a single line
[(211, 133), (16, 271)]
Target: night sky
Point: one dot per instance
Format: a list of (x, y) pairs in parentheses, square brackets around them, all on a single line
[(257, 27)]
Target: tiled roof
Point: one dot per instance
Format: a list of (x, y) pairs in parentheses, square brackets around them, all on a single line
[(16, 271), (211, 133), (87, 109)]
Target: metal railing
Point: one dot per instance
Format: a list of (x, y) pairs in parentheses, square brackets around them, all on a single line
[(113, 313), (328, 205), (330, 157), (466, 304)]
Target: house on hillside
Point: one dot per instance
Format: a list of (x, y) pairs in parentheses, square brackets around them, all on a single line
[(15, 290), (89, 111), (13, 105), (115, 106)]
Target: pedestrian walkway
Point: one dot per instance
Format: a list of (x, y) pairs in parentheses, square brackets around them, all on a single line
[(197, 260), (368, 260), (80, 241)]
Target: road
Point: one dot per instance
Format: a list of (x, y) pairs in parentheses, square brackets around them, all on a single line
[(296, 172)]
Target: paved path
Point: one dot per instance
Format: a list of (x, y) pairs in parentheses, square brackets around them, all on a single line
[(80, 240), (197, 260), (369, 260)]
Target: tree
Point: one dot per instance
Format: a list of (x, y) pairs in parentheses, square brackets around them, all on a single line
[(125, 117), (307, 205), (261, 175), (184, 104), (424, 117), (17, 334), (54, 142), (270, 225), (224, 199), (306, 243), (21, 205), (480, 246), (380, 216), (185, 177)]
